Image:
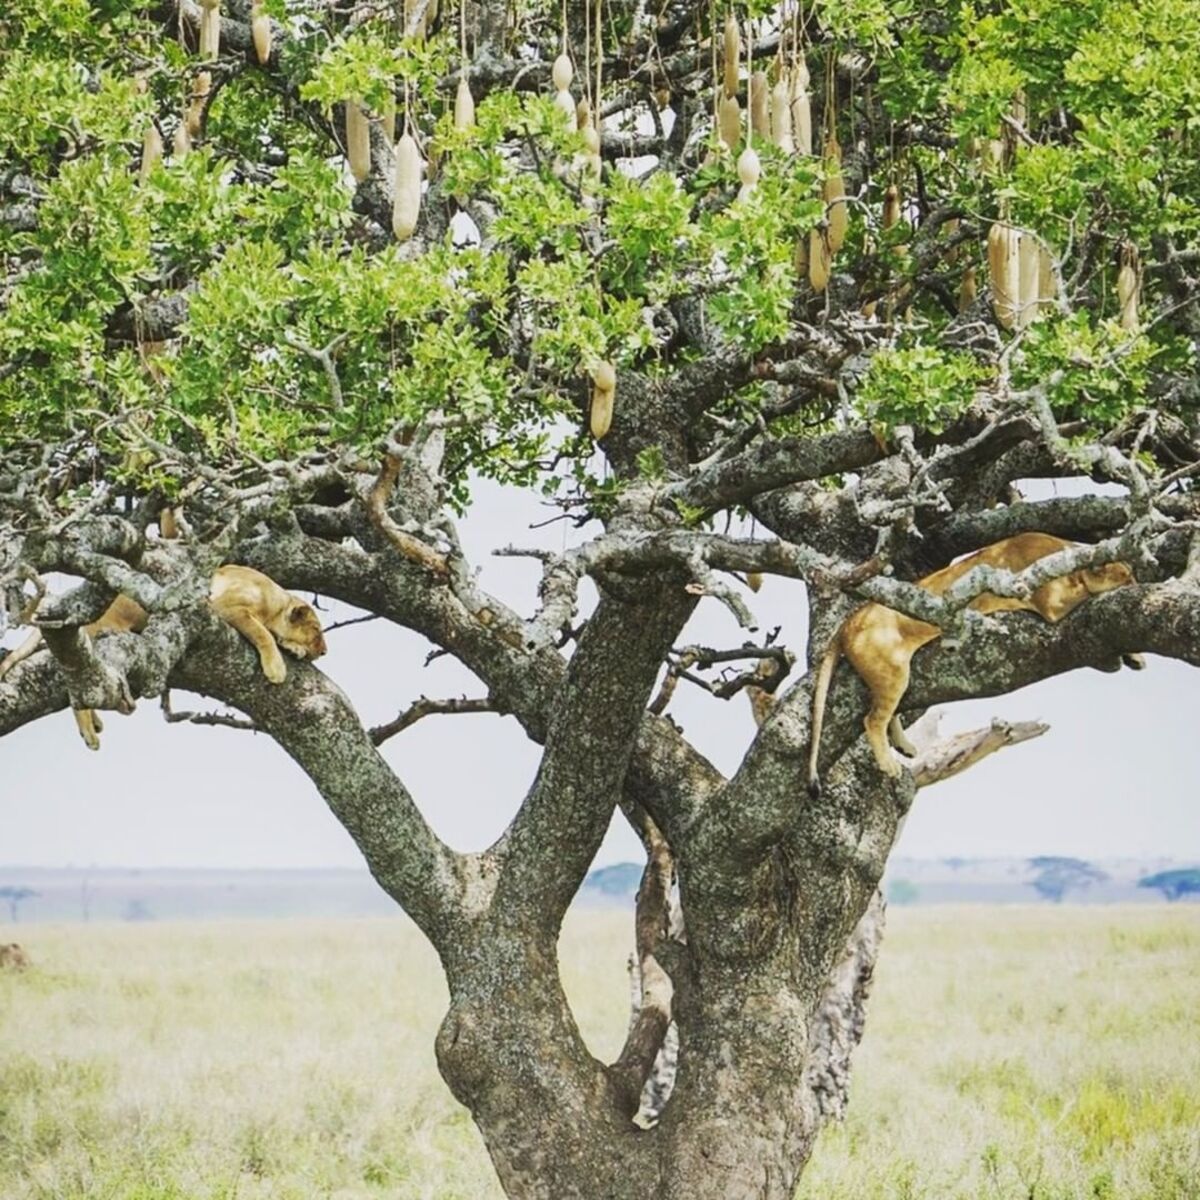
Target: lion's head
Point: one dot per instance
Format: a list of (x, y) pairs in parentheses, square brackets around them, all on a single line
[(1105, 578), (301, 633)]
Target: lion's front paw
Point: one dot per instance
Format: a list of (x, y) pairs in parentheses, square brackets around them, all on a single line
[(274, 670)]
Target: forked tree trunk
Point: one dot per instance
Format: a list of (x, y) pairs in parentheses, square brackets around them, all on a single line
[(760, 1072)]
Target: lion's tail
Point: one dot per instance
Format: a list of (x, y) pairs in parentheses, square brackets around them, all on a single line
[(820, 693)]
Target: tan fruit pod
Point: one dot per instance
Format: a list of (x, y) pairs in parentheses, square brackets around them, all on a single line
[(800, 256), (591, 138), (600, 414), (891, 206), (733, 55), (834, 191), (152, 151), (729, 121), (464, 105), (951, 228), (760, 100), (1129, 287), (781, 117), (260, 33), (182, 141), (562, 73), (802, 133), (1027, 279), (201, 86), (754, 580), (662, 97), (210, 29), (358, 140), (820, 259), (994, 150), (968, 289), (566, 105), (749, 171), (1004, 271), (1047, 287), (604, 376), (388, 119), (406, 206), (583, 113)]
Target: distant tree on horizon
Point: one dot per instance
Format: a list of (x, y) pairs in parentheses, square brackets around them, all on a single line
[(1182, 881), (14, 896), (903, 891), (1058, 875)]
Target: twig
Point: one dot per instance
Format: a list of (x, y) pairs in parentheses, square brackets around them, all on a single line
[(425, 708), (203, 718)]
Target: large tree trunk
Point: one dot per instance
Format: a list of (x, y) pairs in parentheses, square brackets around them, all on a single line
[(761, 1069)]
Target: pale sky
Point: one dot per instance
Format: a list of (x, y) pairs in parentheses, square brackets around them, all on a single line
[(1115, 776)]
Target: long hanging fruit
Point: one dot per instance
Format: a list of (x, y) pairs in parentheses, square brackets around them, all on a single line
[(358, 140), (562, 73), (464, 105), (733, 55), (820, 258), (260, 32), (749, 170), (781, 116), (201, 87), (406, 205), (891, 207), (1129, 287), (967, 290), (152, 151), (591, 138), (760, 115), (1004, 269), (210, 29), (834, 192), (729, 121), (1028, 261), (801, 107), (604, 392)]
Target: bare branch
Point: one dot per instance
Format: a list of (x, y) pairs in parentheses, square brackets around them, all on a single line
[(652, 1011), (227, 720), (425, 708), (946, 758)]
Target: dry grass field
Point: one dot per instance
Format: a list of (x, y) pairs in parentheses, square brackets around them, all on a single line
[(1023, 1053)]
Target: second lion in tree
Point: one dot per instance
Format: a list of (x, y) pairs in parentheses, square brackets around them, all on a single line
[(253, 603), (880, 642)]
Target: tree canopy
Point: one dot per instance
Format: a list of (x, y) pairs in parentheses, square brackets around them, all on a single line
[(807, 290)]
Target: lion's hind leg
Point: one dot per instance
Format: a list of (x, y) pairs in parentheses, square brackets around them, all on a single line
[(881, 652)]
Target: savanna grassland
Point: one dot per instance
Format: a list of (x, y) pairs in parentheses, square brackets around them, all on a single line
[(1027, 1053)]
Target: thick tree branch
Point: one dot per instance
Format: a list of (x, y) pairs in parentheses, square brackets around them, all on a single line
[(553, 839)]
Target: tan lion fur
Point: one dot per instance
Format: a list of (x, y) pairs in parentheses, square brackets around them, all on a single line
[(13, 957), (880, 642), (253, 603)]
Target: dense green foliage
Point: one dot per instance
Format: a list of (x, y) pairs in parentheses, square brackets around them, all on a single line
[(259, 227)]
